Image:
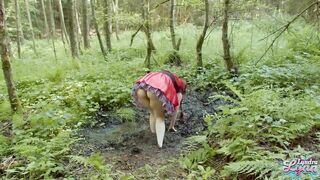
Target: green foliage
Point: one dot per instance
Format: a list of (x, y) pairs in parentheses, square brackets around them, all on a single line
[(195, 161), (127, 114), (5, 145), (268, 108), (261, 167), (5, 110), (101, 171), (268, 105)]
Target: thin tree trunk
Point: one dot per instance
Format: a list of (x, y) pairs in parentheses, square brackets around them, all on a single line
[(97, 27), (73, 28), (174, 58), (146, 28), (30, 26), (18, 26), (6, 66), (107, 24), (78, 27), (46, 26), (225, 40), (202, 36), (85, 24), (115, 4), (52, 28), (64, 33), (172, 24)]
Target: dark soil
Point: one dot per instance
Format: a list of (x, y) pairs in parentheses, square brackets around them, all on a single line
[(131, 145), (308, 141)]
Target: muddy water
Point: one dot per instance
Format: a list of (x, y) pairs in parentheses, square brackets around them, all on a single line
[(131, 145)]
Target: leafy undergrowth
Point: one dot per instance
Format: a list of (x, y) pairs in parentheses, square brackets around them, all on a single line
[(272, 114), (273, 117)]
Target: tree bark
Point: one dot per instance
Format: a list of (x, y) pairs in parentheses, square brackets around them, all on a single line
[(115, 5), (225, 40), (107, 24), (175, 45), (72, 29), (78, 28), (174, 58), (46, 26), (64, 33), (30, 26), (6, 66), (146, 28), (202, 36), (52, 28), (97, 27), (18, 26), (85, 24)]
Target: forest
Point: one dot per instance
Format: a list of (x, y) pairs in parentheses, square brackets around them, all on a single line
[(251, 110)]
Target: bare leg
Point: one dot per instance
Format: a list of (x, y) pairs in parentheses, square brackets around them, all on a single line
[(173, 117), (158, 113), (143, 98), (145, 102), (152, 122)]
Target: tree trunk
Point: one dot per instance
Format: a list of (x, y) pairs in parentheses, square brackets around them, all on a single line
[(64, 33), (78, 31), (52, 28), (97, 27), (85, 24), (46, 26), (107, 24), (115, 5), (72, 29), (6, 66), (146, 29), (202, 36), (18, 26), (30, 26), (174, 58), (172, 25), (225, 40)]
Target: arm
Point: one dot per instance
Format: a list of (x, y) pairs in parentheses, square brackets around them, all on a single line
[(173, 117)]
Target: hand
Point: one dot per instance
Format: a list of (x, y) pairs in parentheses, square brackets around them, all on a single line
[(174, 129)]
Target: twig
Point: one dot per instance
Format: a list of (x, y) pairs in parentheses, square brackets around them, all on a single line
[(159, 4), (5, 127), (134, 34), (284, 28), (213, 21)]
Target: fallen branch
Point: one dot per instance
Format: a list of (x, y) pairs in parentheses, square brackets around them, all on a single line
[(134, 34), (283, 28)]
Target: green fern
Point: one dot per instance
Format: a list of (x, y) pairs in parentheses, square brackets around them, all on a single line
[(260, 168)]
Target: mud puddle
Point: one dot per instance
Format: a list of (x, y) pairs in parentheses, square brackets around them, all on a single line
[(129, 146)]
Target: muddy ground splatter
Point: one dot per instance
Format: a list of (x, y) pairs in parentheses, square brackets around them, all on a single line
[(129, 146)]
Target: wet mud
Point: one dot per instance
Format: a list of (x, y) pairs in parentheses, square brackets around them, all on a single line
[(131, 145)]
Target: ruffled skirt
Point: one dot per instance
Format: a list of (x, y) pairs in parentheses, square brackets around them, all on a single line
[(167, 105)]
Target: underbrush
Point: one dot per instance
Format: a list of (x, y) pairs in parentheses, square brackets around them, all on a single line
[(270, 105), (58, 101), (272, 116)]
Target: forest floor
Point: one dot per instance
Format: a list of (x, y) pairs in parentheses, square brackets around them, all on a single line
[(131, 145)]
